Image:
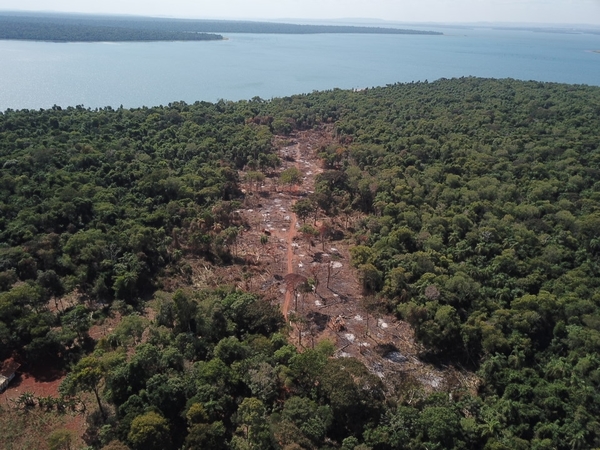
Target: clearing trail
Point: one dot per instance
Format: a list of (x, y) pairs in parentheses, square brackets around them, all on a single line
[(335, 309)]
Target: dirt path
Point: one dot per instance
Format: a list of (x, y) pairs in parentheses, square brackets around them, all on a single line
[(289, 237), (291, 234)]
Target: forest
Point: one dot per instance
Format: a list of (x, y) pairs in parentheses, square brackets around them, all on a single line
[(476, 205), (92, 28)]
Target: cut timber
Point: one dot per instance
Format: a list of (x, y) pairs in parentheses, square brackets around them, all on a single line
[(337, 324)]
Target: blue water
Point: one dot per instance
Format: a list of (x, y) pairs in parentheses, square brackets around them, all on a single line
[(40, 74)]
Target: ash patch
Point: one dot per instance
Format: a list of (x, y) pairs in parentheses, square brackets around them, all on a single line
[(320, 320), (396, 357), (391, 353), (318, 257)]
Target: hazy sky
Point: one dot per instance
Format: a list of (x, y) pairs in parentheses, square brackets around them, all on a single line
[(540, 11)]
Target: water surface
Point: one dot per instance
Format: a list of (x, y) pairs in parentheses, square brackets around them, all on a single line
[(42, 74)]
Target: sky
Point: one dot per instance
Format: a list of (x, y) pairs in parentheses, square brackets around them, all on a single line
[(518, 11)]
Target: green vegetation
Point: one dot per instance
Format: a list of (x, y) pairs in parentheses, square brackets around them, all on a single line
[(60, 440), (478, 204), (482, 205), (102, 201), (291, 177)]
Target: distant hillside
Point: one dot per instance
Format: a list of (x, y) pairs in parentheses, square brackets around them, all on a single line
[(37, 30), (69, 27)]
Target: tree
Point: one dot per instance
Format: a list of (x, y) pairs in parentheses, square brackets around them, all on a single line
[(291, 176), (371, 304), (325, 230), (396, 284), (50, 281), (308, 233), (209, 436), (196, 414), (313, 420), (255, 178), (130, 330), (306, 367), (150, 431), (440, 424), (303, 208), (185, 312), (295, 284), (361, 254), (230, 349), (253, 425), (77, 320), (401, 426), (354, 394), (167, 393), (289, 436), (129, 273), (281, 126), (231, 235), (115, 445), (263, 383), (85, 376), (370, 277)]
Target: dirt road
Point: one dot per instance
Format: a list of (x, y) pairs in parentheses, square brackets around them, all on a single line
[(291, 234)]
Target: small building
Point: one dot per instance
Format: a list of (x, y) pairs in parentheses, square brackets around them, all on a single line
[(8, 369)]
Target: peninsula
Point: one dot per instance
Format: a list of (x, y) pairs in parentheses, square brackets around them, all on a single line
[(93, 28)]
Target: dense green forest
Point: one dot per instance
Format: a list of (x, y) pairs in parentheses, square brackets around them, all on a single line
[(86, 28), (479, 204)]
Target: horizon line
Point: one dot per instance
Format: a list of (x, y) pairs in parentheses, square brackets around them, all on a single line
[(374, 20)]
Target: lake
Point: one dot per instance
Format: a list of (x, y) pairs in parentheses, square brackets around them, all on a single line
[(42, 74)]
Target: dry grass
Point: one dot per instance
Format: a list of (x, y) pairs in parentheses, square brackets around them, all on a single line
[(29, 429)]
